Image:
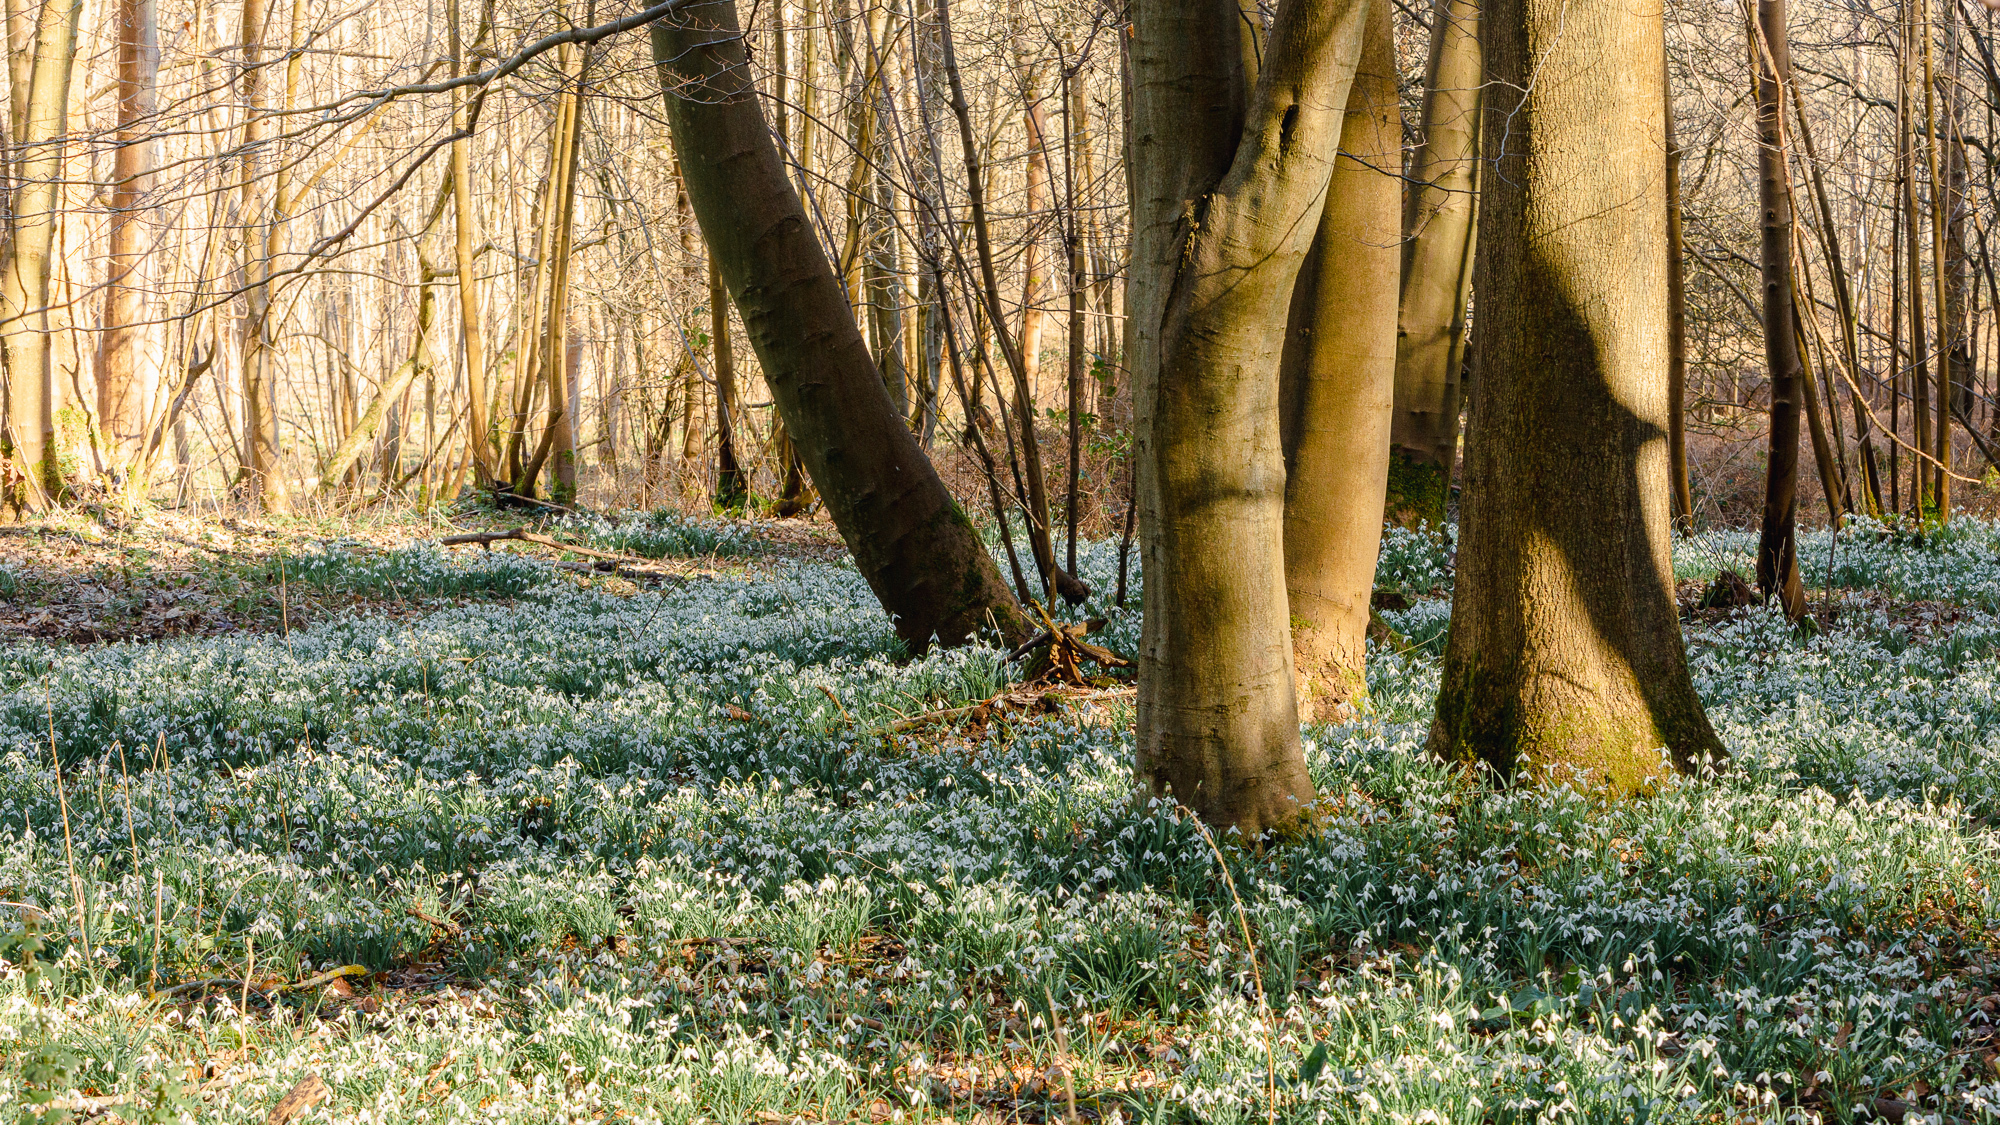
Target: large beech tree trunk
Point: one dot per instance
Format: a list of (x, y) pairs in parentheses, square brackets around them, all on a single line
[(1565, 645), (917, 550), (1440, 230), (1778, 542), (1225, 198), (1337, 386)]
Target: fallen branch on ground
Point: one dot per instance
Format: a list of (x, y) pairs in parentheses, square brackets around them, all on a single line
[(1024, 699), (1066, 650), (327, 977), (488, 538), (445, 924)]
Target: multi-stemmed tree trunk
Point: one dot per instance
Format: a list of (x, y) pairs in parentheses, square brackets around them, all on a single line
[(1777, 545), (1337, 385), (1078, 283), (40, 117), (1565, 646), (550, 368), (126, 373), (1034, 286), (1844, 308), (1440, 231), (1228, 180), (918, 551)]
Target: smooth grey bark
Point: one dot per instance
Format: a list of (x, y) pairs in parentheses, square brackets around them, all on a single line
[(1337, 381), (1226, 194), (1440, 231)]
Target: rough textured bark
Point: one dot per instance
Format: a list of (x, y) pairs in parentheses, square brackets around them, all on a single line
[(1439, 229), (1337, 385), (1778, 541), (41, 120), (1565, 646), (917, 550), (126, 372), (1225, 198)]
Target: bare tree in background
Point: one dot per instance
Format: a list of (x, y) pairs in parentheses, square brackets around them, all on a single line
[(127, 363)]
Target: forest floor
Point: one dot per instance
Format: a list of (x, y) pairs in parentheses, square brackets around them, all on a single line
[(329, 823)]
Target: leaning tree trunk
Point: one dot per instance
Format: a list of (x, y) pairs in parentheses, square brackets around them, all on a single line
[(1565, 646), (350, 448), (1337, 387), (1778, 544), (41, 117), (918, 551), (125, 372), (1437, 270), (1225, 198)]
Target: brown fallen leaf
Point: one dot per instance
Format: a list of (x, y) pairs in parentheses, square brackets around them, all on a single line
[(309, 1092)]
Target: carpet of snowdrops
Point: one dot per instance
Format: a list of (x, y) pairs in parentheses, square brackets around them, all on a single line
[(604, 855)]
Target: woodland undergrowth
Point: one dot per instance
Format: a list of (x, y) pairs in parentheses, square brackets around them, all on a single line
[(555, 847)]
